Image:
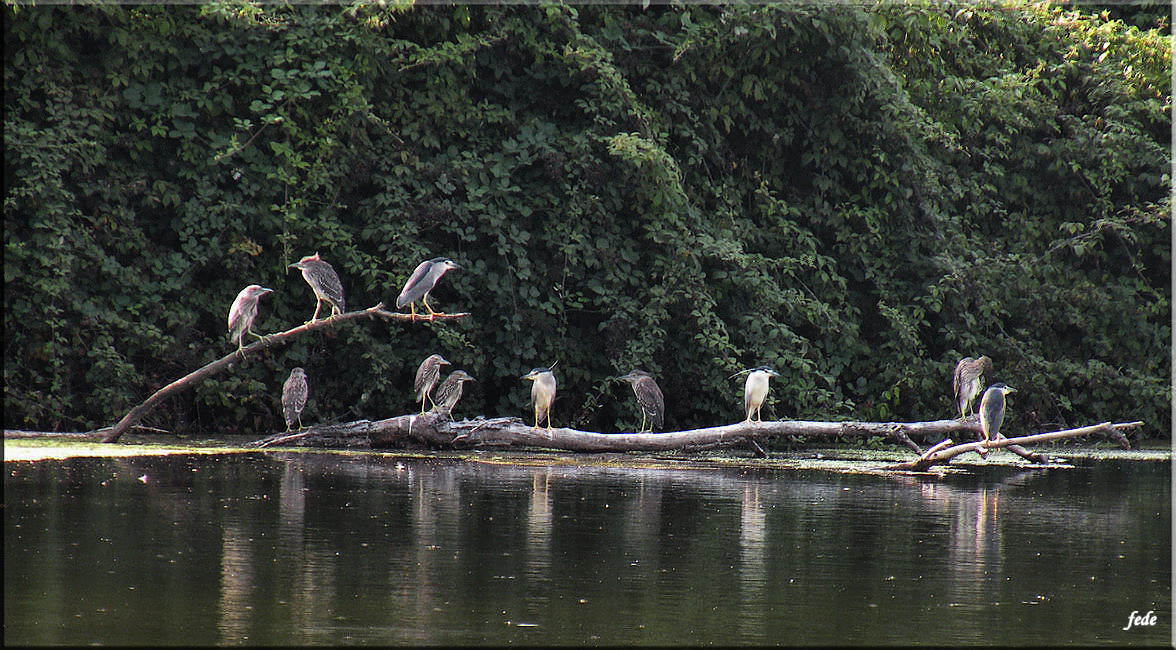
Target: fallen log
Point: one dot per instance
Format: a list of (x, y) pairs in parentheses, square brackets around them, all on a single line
[(435, 429), (269, 340)]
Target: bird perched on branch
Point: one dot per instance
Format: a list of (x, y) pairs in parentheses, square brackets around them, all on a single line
[(426, 378), (968, 381), (243, 312), (992, 411), (649, 398), (294, 393), (450, 390), (421, 282), (755, 391), (324, 282), (542, 393)]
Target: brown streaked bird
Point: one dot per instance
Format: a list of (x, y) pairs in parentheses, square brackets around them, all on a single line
[(542, 393), (421, 282), (450, 390), (649, 398), (294, 393), (244, 312), (968, 382), (324, 282), (426, 378), (992, 411)]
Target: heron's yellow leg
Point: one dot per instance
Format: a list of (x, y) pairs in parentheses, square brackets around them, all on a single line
[(425, 299)]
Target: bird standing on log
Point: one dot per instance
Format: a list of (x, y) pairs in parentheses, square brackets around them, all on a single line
[(992, 411), (649, 398), (450, 390), (294, 393), (243, 312), (968, 381), (426, 378), (542, 393), (323, 281), (421, 282), (755, 391)]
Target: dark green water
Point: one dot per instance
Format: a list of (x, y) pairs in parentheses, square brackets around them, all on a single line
[(336, 549)]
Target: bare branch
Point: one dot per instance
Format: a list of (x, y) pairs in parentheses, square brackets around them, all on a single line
[(937, 455), (267, 341)]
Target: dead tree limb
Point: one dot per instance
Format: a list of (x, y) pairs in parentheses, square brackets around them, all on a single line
[(267, 341), (944, 452), (435, 429)]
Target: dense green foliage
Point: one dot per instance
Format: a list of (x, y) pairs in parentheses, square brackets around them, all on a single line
[(855, 195)]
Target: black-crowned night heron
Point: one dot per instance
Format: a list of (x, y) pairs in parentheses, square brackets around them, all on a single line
[(243, 312), (542, 393), (426, 378), (294, 393), (968, 381), (323, 281), (450, 390), (755, 391), (649, 398), (992, 410), (422, 281)]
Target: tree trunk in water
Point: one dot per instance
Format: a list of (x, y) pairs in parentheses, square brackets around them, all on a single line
[(435, 429)]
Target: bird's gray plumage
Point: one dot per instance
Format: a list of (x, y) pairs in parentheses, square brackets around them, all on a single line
[(992, 411), (422, 281), (649, 398), (323, 281), (968, 382), (449, 392), (294, 393), (542, 393), (426, 378), (243, 312)]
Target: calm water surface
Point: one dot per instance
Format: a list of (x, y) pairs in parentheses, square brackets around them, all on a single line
[(297, 548)]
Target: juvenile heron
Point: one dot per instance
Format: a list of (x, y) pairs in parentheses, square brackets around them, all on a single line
[(422, 281), (968, 381), (243, 312), (542, 393), (294, 393), (450, 390), (649, 398), (755, 391), (426, 378), (323, 281), (992, 410)]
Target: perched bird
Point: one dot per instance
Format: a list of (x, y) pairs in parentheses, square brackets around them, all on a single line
[(243, 312), (542, 393), (426, 378), (968, 381), (323, 281), (992, 410), (450, 390), (649, 398), (422, 281), (755, 391), (294, 393)]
